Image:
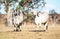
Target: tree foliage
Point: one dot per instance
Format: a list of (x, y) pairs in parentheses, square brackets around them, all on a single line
[(32, 3), (25, 4), (52, 11)]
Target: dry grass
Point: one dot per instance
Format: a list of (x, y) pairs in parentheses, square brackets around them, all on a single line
[(53, 32)]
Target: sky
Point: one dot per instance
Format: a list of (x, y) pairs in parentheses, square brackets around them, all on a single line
[(50, 4)]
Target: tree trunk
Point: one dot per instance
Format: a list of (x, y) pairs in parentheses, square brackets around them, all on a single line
[(7, 10)]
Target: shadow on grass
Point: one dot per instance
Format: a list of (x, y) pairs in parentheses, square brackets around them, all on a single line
[(37, 30)]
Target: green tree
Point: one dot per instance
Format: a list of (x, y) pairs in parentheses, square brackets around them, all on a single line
[(7, 3), (25, 3), (54, 15), (52, 11), (31, 4)]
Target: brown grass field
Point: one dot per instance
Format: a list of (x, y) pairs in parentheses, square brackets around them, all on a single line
[(27, 32)]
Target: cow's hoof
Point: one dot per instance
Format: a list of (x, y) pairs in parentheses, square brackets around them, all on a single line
[(16, 30), (46, 27), (20, 30)]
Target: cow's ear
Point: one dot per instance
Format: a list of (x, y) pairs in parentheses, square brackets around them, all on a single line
[(38, 14)]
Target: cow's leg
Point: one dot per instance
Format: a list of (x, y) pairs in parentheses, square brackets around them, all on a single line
[(37, 26), (19, 26), (46, 26), (40, 25), (15, 28)]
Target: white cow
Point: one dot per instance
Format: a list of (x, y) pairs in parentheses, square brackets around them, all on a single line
[(41, 18), (17, 20)]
